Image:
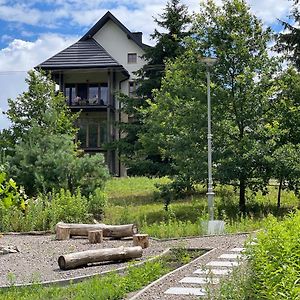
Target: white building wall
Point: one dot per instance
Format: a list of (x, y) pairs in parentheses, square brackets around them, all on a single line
[(115, 41)]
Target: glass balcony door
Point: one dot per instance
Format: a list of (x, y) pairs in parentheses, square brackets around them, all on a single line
[(92, 133), (87, 94)]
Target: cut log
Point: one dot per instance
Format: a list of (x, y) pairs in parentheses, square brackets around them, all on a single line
[(115, 231), (79, 259), (62, 233), (95, 236), (141, 240)]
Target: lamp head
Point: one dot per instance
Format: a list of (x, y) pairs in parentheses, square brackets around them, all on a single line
[(209, 61)]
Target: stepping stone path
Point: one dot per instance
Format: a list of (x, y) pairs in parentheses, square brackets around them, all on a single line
[(210, 274)]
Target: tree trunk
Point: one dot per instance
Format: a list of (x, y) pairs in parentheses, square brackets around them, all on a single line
[(79, 259), (279, 193), (242, 201), (115, 231)]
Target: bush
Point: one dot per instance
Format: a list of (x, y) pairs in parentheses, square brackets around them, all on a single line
[(43, 212), (10, 193), (66, 207), (275, 260), (97, 203), (89, 173)]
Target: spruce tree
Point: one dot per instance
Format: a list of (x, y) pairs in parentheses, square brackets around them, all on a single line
[(289, 41), (169, 45)]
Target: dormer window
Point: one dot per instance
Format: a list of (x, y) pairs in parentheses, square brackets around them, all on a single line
[(132, 58)]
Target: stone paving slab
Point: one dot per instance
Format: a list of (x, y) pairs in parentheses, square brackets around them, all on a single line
[(199, 280), (186, 291), (230, 256), (219, 272), (219, 263), (237, 249)]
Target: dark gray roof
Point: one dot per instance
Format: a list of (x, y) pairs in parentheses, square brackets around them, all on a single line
[(109, 16), (83, 54)]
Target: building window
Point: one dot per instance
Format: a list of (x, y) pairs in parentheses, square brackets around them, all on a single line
[(70, 93), (87, 94), (132, 87), (92, 133), (132, 58), (103, 94), (93, 94)]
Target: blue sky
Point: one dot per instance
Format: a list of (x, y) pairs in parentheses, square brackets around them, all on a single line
[(32, 31)]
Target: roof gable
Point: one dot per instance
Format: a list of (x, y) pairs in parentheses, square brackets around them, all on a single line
[(109, 16)]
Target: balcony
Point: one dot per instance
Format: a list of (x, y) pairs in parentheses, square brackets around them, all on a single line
[(88, 96)]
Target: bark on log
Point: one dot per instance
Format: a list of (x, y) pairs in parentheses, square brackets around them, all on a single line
[(95, 236), (79, 259), (141, 240), (62, 233), (115, 231)]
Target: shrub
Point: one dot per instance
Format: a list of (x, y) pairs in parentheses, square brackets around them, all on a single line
[(275, 260), (10, 193), (96, 203), (43, 212), (89, 173), (66, 207)]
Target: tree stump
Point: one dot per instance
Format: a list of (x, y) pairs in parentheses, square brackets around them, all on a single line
[(141, 240), (62, 233), (80, 259), (95, 236)]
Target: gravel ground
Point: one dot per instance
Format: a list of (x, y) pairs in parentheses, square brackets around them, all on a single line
[(37, 259)]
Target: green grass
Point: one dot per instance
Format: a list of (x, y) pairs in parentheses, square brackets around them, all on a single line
[(132, 189), (134, 200)]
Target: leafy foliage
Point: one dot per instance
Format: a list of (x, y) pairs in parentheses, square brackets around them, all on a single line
[(42, 163), (176, 121), (40, 149), (44, 211), (40, 106), (10, 193), (275, 260), (245, 86), (242, 90), (281, 134)]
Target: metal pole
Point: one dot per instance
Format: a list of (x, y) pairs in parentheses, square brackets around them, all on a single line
[(210, 194)]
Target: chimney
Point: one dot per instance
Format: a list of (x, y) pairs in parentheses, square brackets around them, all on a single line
[(138, 36)]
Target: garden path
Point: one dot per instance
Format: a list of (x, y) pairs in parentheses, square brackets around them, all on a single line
[(198, 278)]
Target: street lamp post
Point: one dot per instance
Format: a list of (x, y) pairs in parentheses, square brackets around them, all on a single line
[(209, 62)]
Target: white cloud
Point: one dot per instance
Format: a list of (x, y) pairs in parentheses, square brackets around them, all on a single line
[(21, 56), (271, 10)]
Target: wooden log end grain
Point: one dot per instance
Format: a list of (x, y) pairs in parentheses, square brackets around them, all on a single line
[(95, 236), (141, 240), (62, 233)]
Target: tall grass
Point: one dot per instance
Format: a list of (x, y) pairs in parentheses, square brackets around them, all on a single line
[(273, 268), (128, 203)]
